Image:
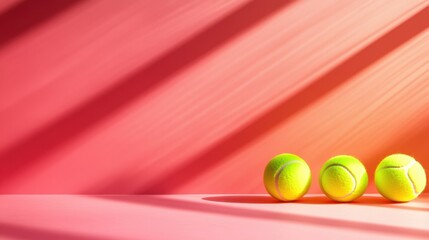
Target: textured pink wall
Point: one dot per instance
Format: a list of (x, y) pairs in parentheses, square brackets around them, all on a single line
[(196, 96)]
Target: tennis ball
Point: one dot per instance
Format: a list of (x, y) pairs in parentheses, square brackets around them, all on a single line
[(400, 178), (287, 177), (343, 178)]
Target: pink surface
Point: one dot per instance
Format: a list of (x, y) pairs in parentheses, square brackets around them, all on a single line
[(196, 96), (208, 216)]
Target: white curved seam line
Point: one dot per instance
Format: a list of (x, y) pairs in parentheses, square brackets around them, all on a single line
[(353, 176), (406, 166), (407, 172), (277, 175)]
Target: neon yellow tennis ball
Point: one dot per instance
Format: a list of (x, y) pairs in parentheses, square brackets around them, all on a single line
[(287, 177), (400, 178), (343, 178)]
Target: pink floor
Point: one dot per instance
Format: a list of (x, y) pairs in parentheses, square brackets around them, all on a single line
[(208, 217)]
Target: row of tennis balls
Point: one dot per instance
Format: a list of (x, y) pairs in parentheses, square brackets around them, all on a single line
[(398, 177)]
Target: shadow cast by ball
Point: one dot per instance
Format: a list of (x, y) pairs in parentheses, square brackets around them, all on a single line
[(373, 200), (266, 199), (315, 199), (252, 199), (309, 199)]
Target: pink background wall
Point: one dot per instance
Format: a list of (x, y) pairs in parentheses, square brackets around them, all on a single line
[(196, 96)]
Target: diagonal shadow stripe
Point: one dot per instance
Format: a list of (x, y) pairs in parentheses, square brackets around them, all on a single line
[(321, 86), (268, 215), (33, 148), (29, 14), (12, 231)]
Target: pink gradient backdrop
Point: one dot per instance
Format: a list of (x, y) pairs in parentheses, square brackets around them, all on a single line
[(196, 96)]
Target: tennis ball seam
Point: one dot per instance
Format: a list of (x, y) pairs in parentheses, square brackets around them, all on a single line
[(349, 172), (406, 168), (412, 182), (277, 176)]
